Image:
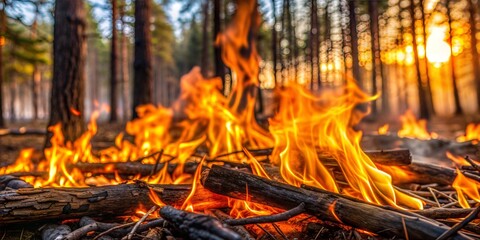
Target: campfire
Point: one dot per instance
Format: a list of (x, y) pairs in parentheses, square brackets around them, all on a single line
[(205, 169)]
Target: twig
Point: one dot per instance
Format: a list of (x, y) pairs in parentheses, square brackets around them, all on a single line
[(267, 232), (81, 232), (460, 225), (270, 218), (434, 197), (472, 163), (415, 195), (135, 227), (113, 229), (444, 213), (405, 230), (279, 231), (157, 161)]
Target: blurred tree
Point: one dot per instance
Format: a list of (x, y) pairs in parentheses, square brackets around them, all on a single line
[(274, 42), (217, 28), (69, 48), (474, 49), (3, 27), (354, 41), (456, 95), (422, 93), (143, 77), (205, 38), (114, 64)]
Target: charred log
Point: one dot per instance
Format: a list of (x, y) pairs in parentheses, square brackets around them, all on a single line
[(29, 204), (325, 206), (197, 226)]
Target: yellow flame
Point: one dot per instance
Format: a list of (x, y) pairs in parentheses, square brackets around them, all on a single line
[(472, 133), (413, 128), (466, 186), (327, 121), (383, 130)]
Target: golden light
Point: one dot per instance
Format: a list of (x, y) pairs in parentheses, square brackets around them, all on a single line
[(438, 50)]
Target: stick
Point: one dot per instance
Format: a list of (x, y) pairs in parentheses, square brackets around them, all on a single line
[(444, 213), (460, 225), (326, 206), (284, 216), (197, 226), (135, 227), (238, 229), (33, 204)]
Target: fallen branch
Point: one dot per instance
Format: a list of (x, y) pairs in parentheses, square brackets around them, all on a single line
[(197, 226), (326, 206), (34, 204)]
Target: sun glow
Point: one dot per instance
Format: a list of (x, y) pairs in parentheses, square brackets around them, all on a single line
[(438, 50)]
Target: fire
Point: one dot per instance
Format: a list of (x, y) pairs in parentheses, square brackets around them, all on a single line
[(305, 121), (466, 186), (458, 160), (202, 117), (413, 128), (383, 130), (472, 133)]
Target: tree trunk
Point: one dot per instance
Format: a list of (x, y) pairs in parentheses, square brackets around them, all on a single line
[(13, 97), (36, 73), (456, 96), (205, 42), (114, 66), (374, 37), (274, 43), (143, 79), (3, 28), (429, 96), (68, 83), (423, 105), (473, 45), (219, 65), (293, 37), (352, 4), (125, 73)]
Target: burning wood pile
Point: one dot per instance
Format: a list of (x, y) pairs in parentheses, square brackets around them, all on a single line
[(204, 169)]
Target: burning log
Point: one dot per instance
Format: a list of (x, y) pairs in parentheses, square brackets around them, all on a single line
[(197, 226), (400, 157), (425, 173), (32, 204), (324, 205)]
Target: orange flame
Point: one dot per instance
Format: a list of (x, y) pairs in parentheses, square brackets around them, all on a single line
[(327, 121), (472, 133), (466, 186), (413, 128), (383, 130)]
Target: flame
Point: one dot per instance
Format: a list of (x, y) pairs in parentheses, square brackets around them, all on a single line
[(472, 133), (203, 118), (413, 128), (458, 160), (305, 121), (383, 130), (466, 186)]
